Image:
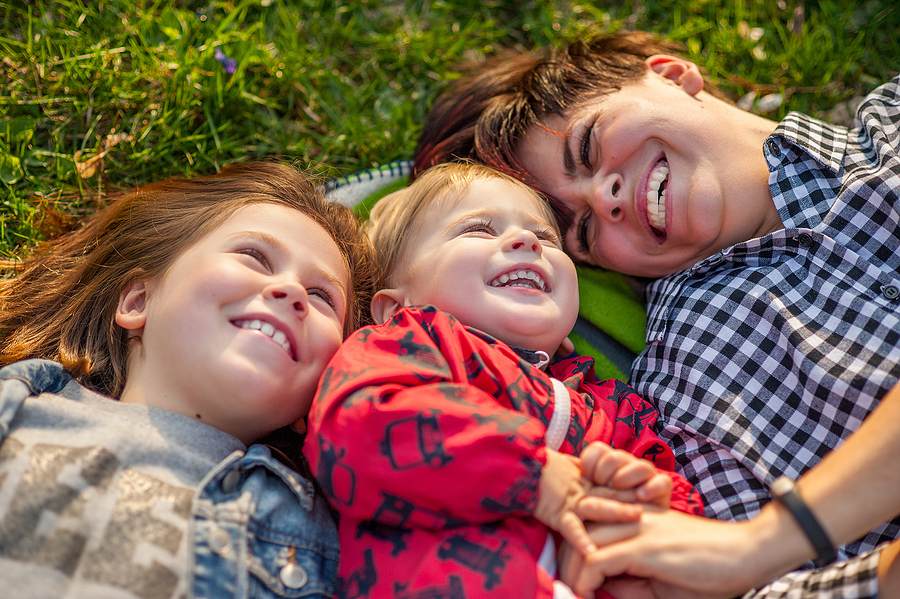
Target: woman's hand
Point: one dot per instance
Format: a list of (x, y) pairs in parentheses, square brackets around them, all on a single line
[(685, 556)]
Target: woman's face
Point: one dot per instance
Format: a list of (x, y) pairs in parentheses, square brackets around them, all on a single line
[(655, 177), (239, 328)]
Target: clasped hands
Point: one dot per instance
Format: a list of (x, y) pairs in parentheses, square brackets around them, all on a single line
[(604, 486)]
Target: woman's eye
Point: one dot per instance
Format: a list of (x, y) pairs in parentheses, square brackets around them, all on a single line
[(582, 234), (321, 294), (256, 255)]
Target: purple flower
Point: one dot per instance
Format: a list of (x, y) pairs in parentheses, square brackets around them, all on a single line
[(229, 64)]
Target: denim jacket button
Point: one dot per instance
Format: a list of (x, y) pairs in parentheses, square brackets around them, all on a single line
[(231, 480), (293, 576), (218, 540)]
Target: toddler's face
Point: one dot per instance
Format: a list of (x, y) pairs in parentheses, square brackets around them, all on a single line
[(241, 325), (494, 261)]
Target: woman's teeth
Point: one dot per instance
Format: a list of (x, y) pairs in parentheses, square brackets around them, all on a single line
[(656, 195)]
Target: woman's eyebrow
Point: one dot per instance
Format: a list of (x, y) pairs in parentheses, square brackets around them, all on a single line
[(568, 157)]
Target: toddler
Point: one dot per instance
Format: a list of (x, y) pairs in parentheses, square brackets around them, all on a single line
[(445, 437)]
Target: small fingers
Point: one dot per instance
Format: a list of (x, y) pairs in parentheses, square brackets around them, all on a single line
[(606, 534), (608, 465), (572, 530), (607, 511), (623, 496), (593, 570), (657, 490), (570, 563), (590, 455), (632, 474)]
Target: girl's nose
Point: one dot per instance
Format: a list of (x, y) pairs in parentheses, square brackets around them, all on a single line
[(293, 292)]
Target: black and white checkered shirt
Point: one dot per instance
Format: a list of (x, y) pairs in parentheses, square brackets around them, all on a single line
[(766, 355)]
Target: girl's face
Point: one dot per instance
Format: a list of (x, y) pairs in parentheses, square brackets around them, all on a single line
[(239, 328)]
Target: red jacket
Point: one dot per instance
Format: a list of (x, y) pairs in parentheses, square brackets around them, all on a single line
[(428, 438)]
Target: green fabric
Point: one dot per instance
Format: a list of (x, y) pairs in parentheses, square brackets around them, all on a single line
[(363, 209), (606, 299), (603, 367), (609, 302)]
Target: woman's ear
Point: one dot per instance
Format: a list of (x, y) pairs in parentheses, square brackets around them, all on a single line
[(131, 313), (682, 72), (384, 303)]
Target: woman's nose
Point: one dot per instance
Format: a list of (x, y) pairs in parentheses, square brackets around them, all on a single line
[(607, 199)]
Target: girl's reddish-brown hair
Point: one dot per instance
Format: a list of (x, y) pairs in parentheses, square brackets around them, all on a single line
[(61, 302)]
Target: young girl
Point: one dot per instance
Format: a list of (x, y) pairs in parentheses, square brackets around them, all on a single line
[(208, 308), (439, 437)]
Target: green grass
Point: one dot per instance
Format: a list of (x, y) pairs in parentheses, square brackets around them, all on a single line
[(339, 86)]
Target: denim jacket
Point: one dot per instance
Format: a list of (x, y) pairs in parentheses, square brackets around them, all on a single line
[(252, 527)]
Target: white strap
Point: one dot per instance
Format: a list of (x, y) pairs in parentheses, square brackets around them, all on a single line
[(547, 559), (553, 438), (562, 413)]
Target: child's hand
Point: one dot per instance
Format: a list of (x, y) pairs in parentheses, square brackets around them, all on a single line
[(560, 490), (624, 477)]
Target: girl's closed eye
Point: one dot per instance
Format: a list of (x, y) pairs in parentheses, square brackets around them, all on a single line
[(257, 255), (322, 294)]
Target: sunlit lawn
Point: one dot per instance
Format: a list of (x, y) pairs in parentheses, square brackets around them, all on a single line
[(103, 94)]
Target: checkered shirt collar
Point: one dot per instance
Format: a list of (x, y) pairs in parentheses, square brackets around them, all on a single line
[(805, 145), (823, 142)]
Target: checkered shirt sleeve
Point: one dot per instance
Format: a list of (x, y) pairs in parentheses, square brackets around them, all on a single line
[(765, 356), (855, 578)]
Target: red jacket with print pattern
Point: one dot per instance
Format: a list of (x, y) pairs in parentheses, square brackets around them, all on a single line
[(427, 437)]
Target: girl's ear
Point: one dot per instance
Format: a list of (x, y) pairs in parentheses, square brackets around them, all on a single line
[(131, 313), (682, 72), (384, 303)]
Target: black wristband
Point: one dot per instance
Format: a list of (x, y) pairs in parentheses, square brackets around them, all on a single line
[(783, 492)]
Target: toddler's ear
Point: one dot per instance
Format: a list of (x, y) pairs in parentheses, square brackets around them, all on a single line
[(384, 303), (131, 313)]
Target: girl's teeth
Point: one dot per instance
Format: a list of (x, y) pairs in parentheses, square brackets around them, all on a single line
[(264, 327)]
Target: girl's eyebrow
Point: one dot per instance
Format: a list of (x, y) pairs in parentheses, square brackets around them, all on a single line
[(262, 236)]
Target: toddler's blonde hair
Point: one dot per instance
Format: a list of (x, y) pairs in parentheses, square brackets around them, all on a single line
[(394, 216)]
